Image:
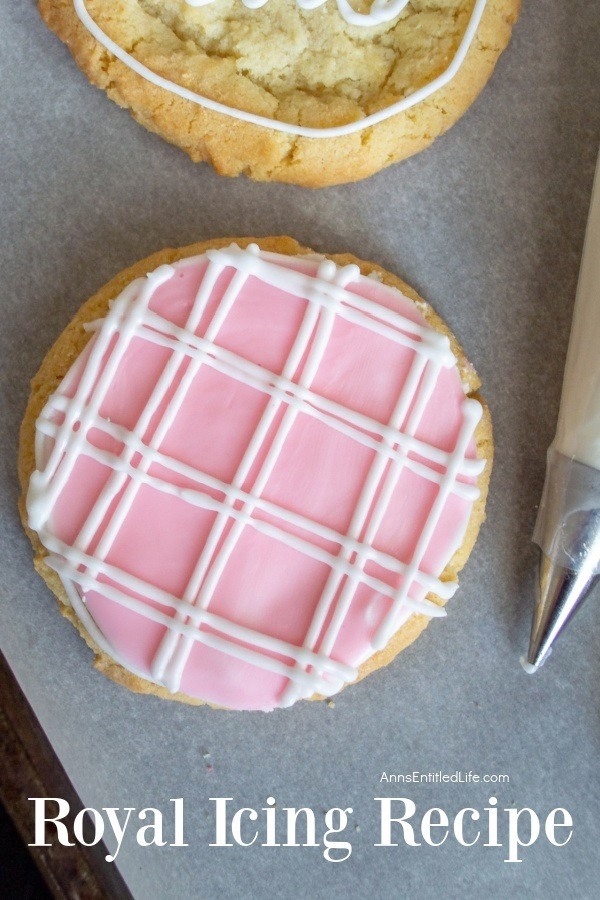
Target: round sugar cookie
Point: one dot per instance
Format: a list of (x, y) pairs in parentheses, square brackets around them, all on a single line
[(311, 92), (251, 473)]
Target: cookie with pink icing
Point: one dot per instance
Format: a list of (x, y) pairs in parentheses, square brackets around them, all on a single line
[(252, 473)]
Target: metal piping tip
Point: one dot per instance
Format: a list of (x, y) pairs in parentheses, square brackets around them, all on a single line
[(561, 593), (531, 669)]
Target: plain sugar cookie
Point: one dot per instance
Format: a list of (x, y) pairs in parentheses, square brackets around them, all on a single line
[(311, 92), (251, 473)]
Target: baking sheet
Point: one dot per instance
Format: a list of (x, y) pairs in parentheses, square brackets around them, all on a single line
[(488, 225)]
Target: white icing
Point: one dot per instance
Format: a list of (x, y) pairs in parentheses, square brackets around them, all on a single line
[(379, 7), (68, 421), (529, 668), (578, 427), (381, 11)]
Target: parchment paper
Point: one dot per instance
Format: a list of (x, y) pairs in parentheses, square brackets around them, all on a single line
[(488, 225)]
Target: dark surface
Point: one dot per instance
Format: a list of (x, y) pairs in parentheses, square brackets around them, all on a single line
[(19, 877), (30, 768)]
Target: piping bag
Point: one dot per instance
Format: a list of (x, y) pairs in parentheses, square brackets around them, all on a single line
[(567, 529)]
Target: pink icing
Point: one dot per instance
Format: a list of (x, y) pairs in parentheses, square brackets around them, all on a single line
[(266, 585)]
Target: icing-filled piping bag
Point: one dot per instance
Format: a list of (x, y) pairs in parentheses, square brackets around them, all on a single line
[(568, 523)]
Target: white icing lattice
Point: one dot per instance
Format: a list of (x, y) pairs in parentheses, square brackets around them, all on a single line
[(69, 421)]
